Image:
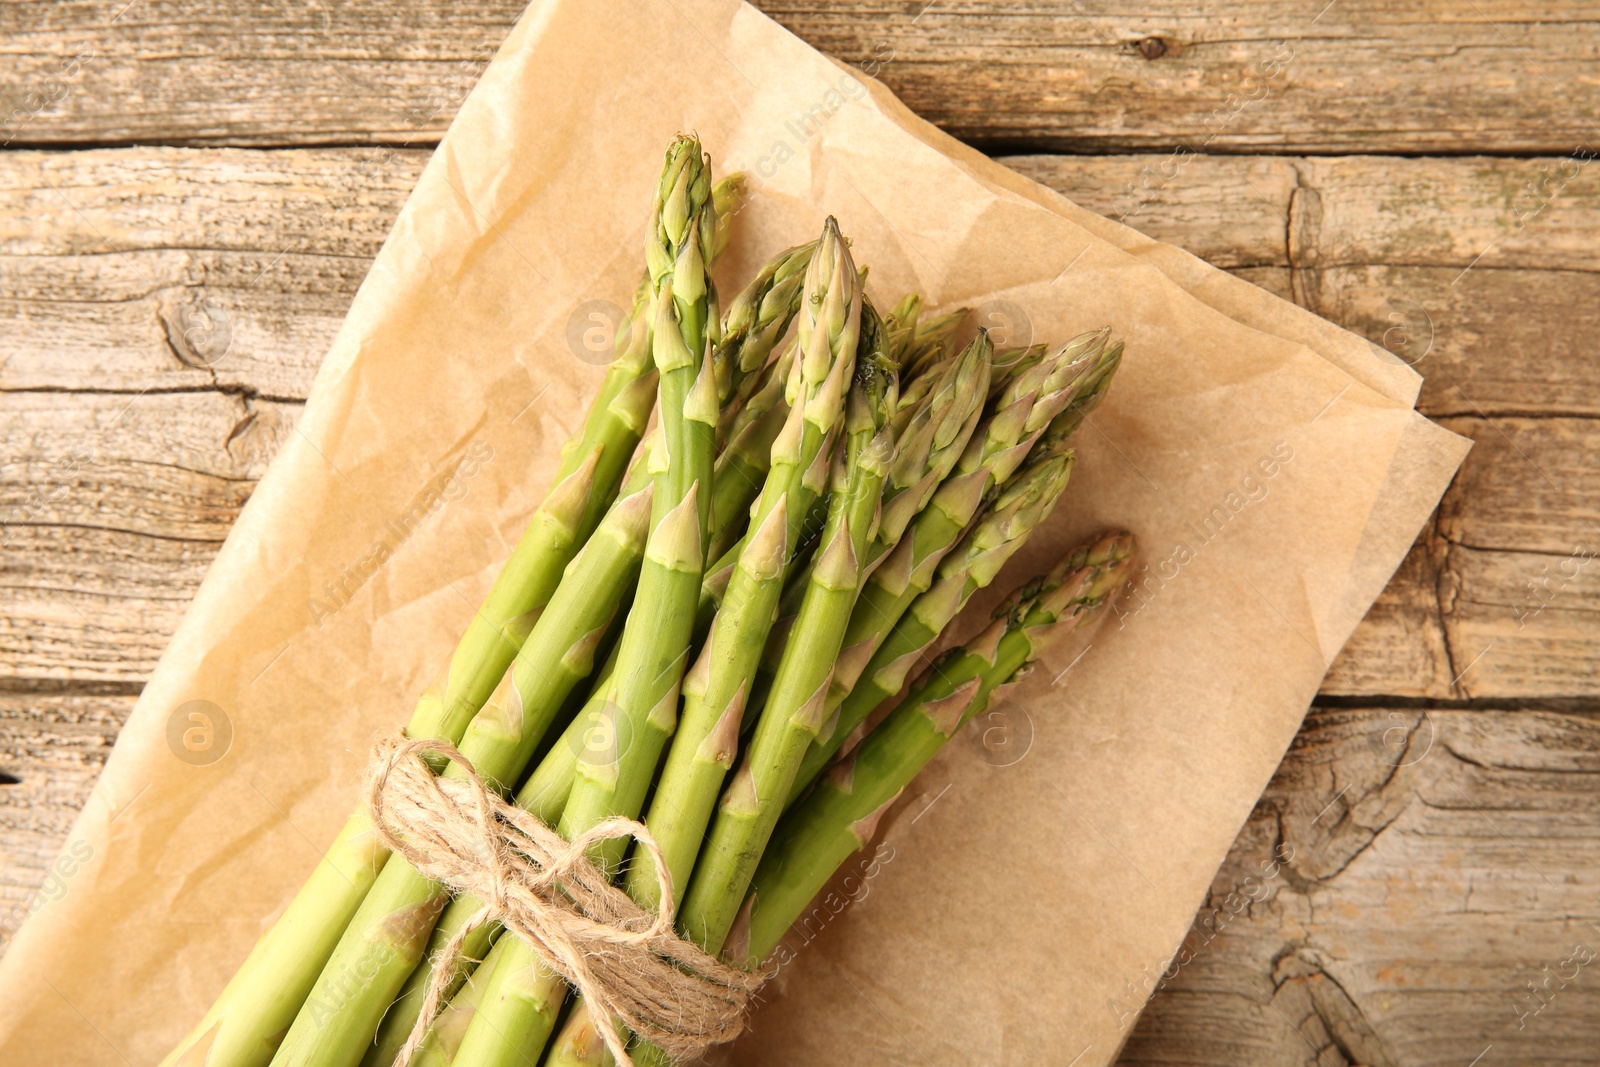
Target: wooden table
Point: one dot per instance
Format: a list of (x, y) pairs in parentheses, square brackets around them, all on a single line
[(189, 174)]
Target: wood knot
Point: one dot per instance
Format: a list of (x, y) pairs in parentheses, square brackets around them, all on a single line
[(1151, 47)]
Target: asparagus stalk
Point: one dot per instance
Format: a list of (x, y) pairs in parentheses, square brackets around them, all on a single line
[(385, 938), (653, 645), (727, 200), (793, 714), (1010, 362), (619, 411), (756, 396), (742, 466), (900, 326), (579, 1043), (715, 691), (388, 932), (999, 533), (518, 1004), (521, 995), (243, 1026), (842, 813), (438, 1048), (1036, 412)]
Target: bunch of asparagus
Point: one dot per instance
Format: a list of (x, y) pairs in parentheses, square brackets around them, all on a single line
[(696, 639)]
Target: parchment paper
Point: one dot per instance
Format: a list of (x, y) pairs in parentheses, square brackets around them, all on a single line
[(1028, 896)]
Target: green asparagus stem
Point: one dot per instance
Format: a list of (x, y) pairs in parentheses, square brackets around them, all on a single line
[(618, 413), (386, 936), (579, 1043), (243, 1026), (841, 815), (727, 200), (1010, 362), (651, 656), (793, 714), (756, 395), (900, 327), (999, 533), (521, 995), (715, 691), (439, 1046), (518, 1004), (1036, 412), (742, 466)]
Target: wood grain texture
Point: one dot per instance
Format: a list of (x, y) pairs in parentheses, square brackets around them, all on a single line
[(1073, 75), (1482, 273), (114, 506), (52, 747), (164, 270), (1434, 899), (1076, 76)]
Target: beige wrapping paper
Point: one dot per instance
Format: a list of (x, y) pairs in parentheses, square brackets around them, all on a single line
[(1028, 896)]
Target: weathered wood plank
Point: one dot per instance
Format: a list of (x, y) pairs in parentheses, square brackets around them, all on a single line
[(192, 71), (1522, 581), (1357, 76), (1426, 257), (51, 751), (105, 252), (1401, 647), (1437, 863), (1347, 77), (113, 507), (1534, 487), (161, 269), (155, 235)]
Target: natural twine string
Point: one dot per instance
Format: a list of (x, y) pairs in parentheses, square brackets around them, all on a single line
[(627, 963)]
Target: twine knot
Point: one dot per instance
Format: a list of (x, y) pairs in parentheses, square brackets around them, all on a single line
[(628, 963)]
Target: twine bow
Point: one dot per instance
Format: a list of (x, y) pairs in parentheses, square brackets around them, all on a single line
[(628, 963)]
